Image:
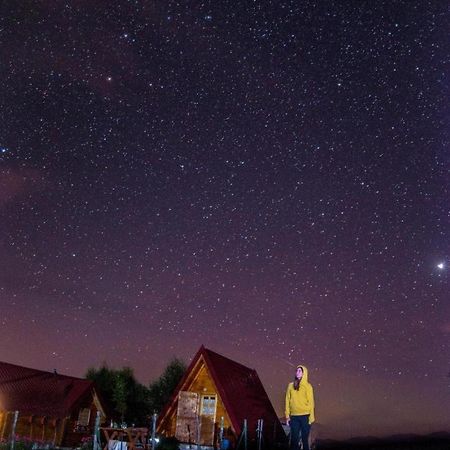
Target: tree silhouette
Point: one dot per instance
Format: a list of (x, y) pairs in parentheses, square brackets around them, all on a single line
[(126, 398), (162, 389)]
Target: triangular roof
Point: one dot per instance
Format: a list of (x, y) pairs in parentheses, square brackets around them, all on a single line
[(40, 393), (240, 390)]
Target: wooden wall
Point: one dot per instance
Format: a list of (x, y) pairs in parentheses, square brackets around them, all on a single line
[(47, 429), (200, 382), (35, 428), (72, 437)]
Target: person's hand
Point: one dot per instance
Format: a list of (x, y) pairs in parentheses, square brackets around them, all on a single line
[(288, 421)]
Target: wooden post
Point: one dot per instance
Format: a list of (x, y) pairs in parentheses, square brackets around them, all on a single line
[(5, 420), (13, 430), (31, 420), (55, 422), (43, 421), (121, 439), (63, 430)]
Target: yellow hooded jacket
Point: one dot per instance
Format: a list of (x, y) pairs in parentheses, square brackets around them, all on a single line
[(301, 402)]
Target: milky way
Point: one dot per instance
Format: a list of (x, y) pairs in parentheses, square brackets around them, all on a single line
[(269, 179)]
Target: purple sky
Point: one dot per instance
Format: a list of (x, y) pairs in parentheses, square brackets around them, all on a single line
[(269, 179)]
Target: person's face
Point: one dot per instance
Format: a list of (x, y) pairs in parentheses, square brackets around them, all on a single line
[(299, 373)]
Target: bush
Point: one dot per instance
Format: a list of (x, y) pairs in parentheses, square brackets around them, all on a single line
[(168, 443), (25, 443)]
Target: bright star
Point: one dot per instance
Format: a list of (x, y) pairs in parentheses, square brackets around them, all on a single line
[(441, 266)]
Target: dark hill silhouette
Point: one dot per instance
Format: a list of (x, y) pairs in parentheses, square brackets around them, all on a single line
[(433, 441)]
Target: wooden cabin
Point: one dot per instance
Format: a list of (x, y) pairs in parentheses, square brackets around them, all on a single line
[(53, 408), (215, 393)]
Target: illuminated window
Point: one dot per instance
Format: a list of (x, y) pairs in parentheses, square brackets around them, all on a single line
[(83, 417), (208, 405)]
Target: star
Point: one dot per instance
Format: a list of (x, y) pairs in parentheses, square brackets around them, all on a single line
[(441, 266)]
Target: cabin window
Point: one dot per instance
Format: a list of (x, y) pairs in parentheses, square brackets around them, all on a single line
[(83, 417), (208, 405)]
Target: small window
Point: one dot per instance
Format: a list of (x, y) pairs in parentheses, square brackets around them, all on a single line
[(83, 417), (208, 405)]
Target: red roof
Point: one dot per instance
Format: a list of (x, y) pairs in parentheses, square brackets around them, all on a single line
[(241, 391), (40, 393)]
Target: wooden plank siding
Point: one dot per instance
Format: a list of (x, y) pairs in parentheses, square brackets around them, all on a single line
[(58, 431), (48, 404), (35, 428), (200, 382), (237, 394)]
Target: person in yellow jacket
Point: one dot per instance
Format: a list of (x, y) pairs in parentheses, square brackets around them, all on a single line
[(300, 408)]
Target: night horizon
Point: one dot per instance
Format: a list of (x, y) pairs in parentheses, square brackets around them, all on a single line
[(269, 180)]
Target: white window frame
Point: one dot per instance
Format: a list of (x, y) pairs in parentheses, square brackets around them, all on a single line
[(82, 414), (209, 397)]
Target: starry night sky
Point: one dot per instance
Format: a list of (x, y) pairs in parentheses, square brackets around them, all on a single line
[(267, 178)]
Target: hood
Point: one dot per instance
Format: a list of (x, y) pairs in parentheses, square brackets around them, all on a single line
[(304, 379)]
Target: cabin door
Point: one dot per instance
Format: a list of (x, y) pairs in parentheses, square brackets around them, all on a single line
[(207, 419), (187, 417)]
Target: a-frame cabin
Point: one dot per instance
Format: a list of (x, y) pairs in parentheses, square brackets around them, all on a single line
[(214, 392), (53, 408)]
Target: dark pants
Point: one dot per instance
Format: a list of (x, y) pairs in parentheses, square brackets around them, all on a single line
[(299, 427)]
